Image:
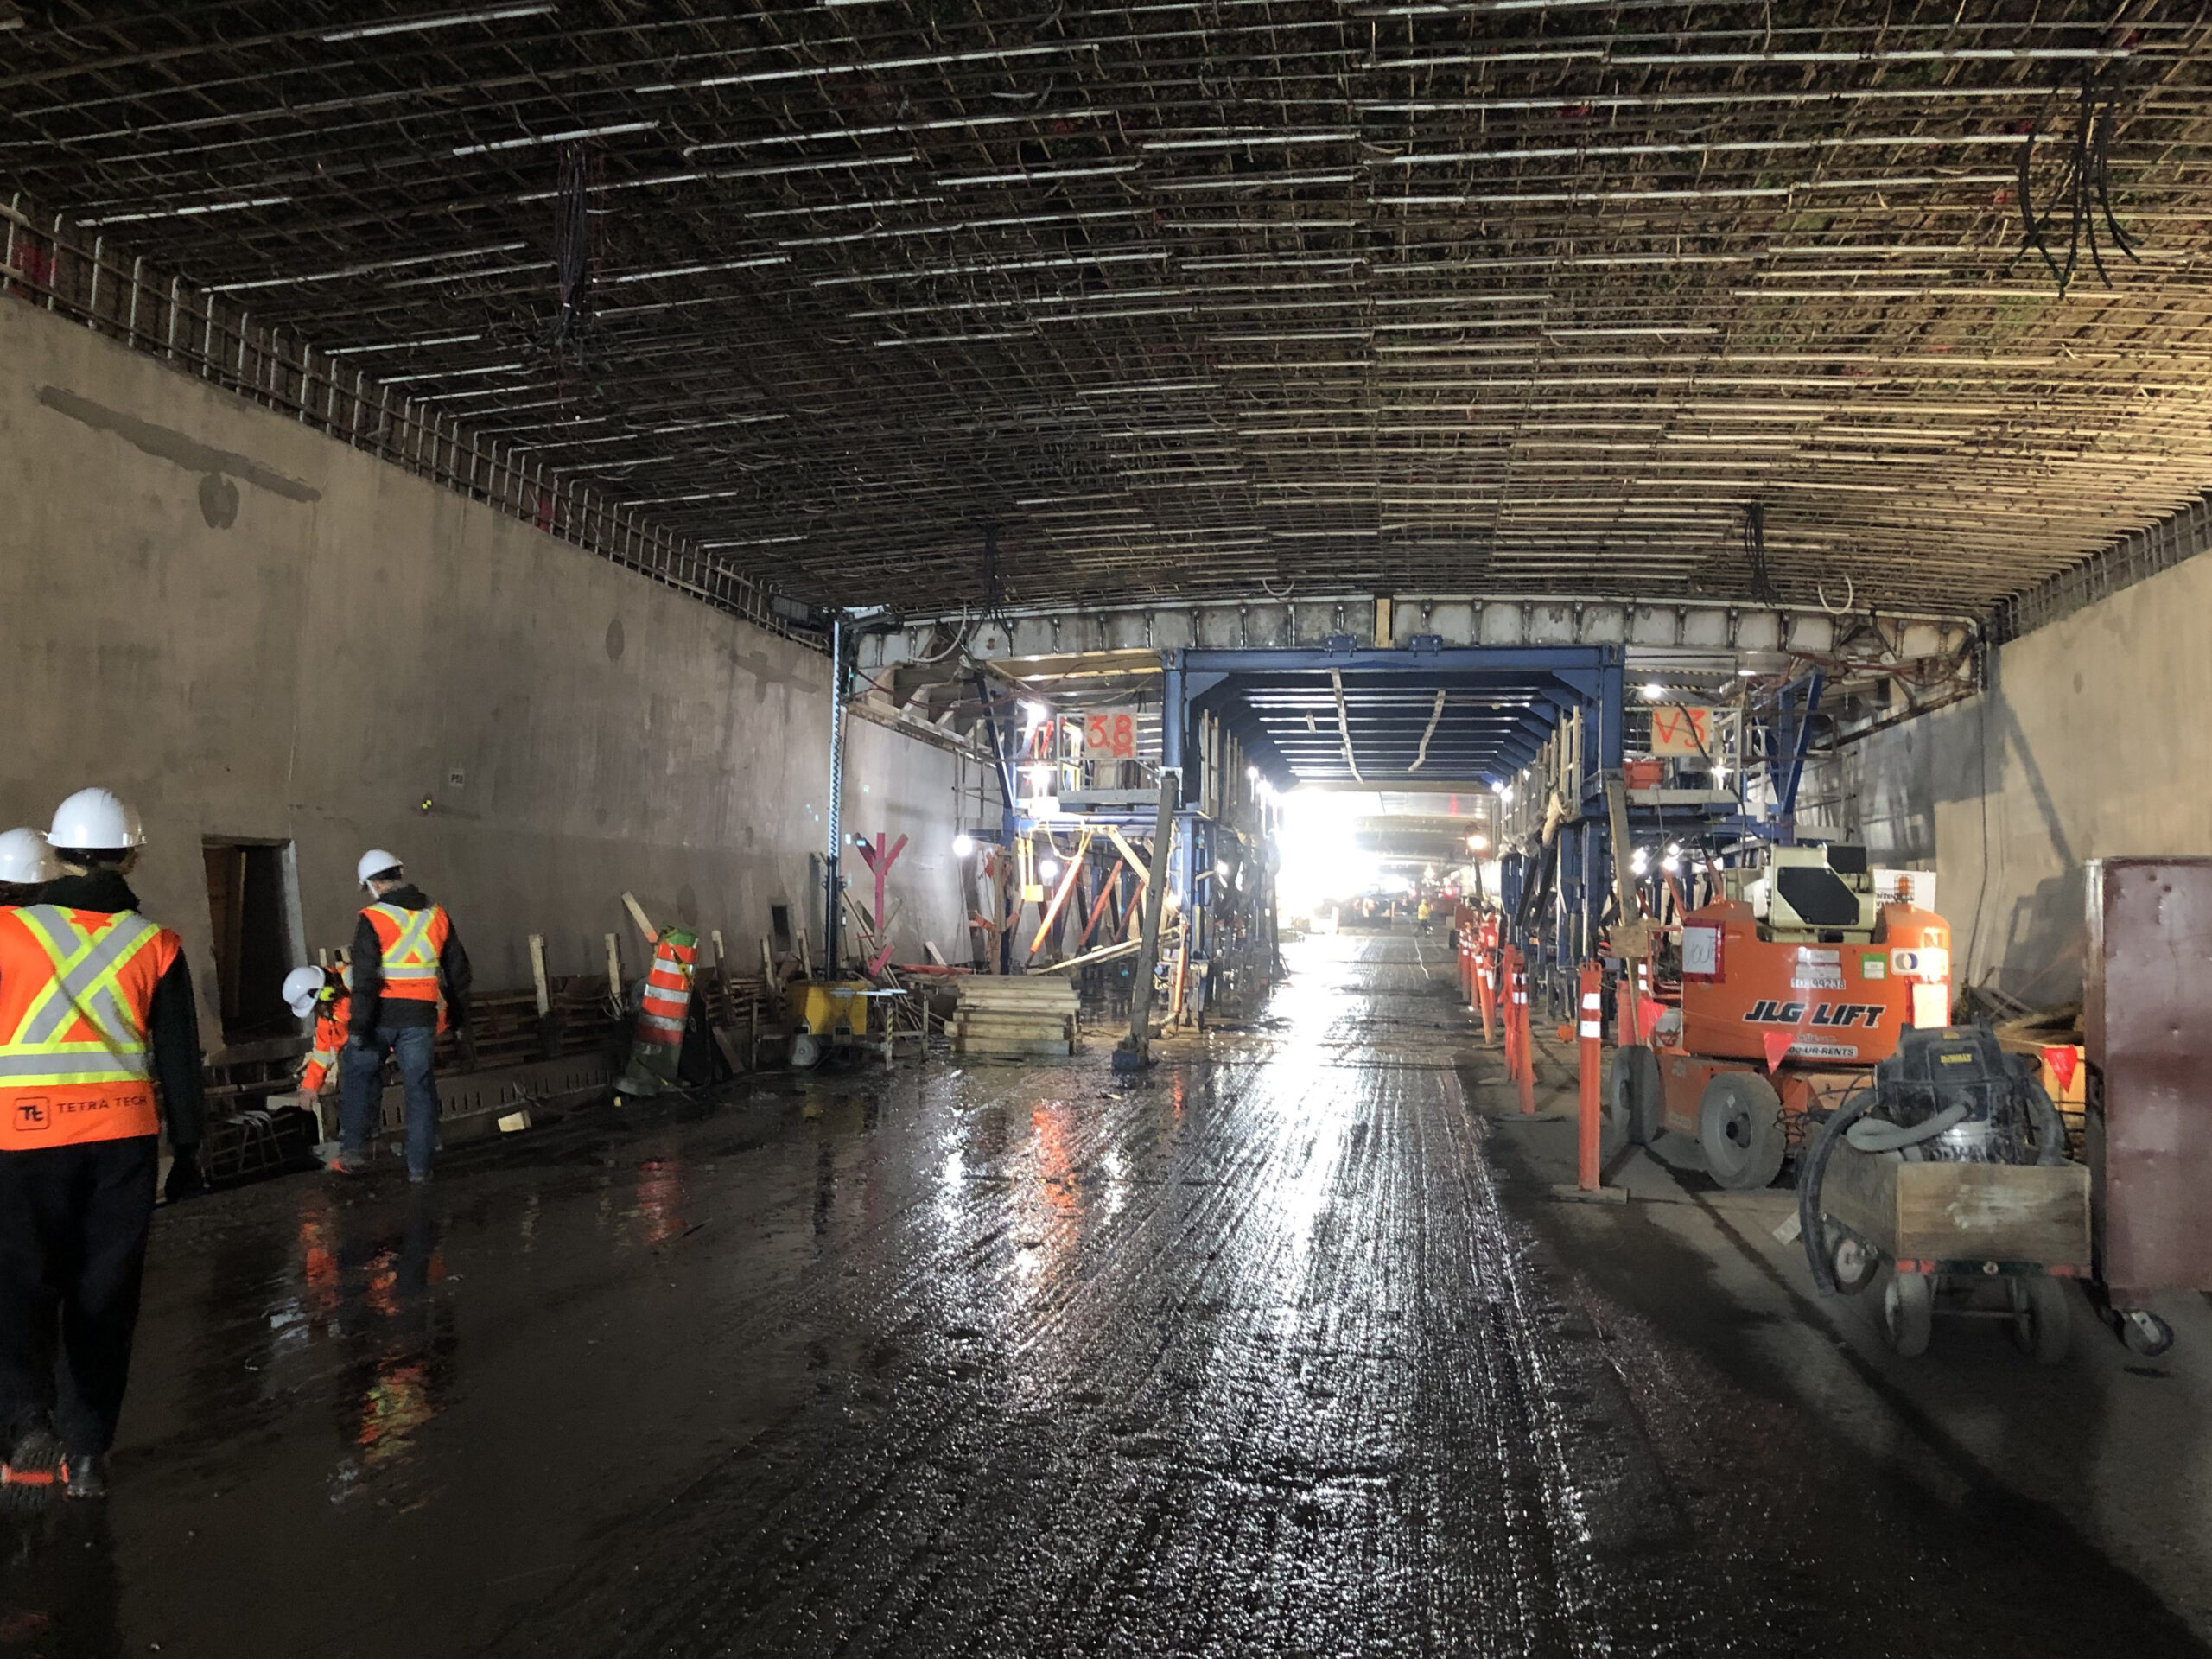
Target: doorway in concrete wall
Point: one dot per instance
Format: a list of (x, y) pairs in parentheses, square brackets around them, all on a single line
[(253, 904)]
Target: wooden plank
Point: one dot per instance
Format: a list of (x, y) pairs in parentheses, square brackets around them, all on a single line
[(1859, 1191), (538, 975), (638, 915), (1012, 1051), (1996, 1212)]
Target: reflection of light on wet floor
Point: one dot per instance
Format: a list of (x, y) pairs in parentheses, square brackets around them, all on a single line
[(658, 1213), (1047, 1203)]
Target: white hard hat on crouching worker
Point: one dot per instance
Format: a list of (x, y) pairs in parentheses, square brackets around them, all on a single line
[(375, 861), (24, 859), (301, 986), (95, 820)]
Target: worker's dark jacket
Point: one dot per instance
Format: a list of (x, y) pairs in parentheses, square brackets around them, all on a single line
[(173, 1021), (371, 1008)]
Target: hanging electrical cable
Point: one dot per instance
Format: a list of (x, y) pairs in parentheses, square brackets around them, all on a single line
[(2084, 193)]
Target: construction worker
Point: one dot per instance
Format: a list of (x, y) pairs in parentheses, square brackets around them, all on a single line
[(411, 976), (26, 865), (1423, 914), (320, 992), (99, 1042)]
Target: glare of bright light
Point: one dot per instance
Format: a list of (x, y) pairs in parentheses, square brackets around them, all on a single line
[(1479, 844), (964, 845), (1429, 874), (1033, 715), (1253, 773), (1041, 776), (1503, 792), (1048, 869), (1674, 849), (1639, 860), (1322, 863), (1221, 867), (1672, 861), (1747, 673), (1655, 692)]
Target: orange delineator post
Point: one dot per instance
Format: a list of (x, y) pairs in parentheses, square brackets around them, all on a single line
[(1486, 991), (1589, 1056), (1520, 1056)]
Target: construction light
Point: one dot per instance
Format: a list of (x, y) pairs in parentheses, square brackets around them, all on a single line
[(1048, 869), (1504, 791), (1253, 773), (1674, 849), (1747, 673), (1655, 692), (1477, 843), (1033, 715), (964, 845), (1672, 861), (1221, 867), (1639, 861)]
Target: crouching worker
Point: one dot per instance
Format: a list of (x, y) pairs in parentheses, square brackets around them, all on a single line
[(320, 992), (99, 1041), (409, 974)]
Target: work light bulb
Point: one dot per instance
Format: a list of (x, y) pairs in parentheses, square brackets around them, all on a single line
[(1047, 869), (964, 845), (1655, 692)]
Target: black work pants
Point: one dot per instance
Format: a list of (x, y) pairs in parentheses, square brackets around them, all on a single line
[(74, 1222)]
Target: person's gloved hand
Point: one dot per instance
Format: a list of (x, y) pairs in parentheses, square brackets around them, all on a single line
[(185, 1180)]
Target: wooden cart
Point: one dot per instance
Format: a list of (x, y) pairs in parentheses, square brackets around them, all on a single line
[(1987, 1240)]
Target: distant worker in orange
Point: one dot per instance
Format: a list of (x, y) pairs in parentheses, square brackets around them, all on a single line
[(411, 976), (99, 1044), (322, 993)]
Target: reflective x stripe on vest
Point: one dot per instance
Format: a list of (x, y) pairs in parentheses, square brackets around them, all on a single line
[(84, 995), (411, 941), (76, 993)]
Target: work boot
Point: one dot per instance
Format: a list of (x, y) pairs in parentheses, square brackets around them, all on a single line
[(33, 1470), (349, 1163), (87, 1472), (418, 1177)]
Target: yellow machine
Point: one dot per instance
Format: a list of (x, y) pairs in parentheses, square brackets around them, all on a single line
[(822, 1013)]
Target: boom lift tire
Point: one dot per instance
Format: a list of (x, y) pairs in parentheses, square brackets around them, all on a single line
[(1739, 1127), (1639, 1099)]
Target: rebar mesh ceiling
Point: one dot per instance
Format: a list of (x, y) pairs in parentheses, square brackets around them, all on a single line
[(1191, 298)]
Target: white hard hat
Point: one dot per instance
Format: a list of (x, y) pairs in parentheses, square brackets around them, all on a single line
[(375, 861), (24, 859), (301, 986), (95, 820)]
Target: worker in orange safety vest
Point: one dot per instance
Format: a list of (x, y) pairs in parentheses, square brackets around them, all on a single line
[(322, 992), (411, 976), (99, 1044)]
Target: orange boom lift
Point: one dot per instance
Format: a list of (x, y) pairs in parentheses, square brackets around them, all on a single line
[(1796, 981)]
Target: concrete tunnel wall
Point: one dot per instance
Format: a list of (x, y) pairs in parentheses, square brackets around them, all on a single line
[(2088, 744), (289, 640)]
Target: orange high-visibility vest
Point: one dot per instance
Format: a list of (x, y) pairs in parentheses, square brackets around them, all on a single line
[(76, 997), (332, 1015), (411, 942)]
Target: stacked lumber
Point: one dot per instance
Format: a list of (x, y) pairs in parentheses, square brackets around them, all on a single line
[(504, 1026), (1014, 1017), (584, 1018), (738, 1009)]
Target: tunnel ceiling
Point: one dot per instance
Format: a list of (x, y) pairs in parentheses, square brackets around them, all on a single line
[(1504, 296)]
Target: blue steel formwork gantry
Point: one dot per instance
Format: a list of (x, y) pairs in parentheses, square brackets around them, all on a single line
[(1415, 717)]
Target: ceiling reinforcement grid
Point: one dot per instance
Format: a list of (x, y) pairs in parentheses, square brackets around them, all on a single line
[(1196, 299), (49, 265)]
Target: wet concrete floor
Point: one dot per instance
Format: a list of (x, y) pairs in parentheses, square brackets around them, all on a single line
[(1282, 1350)]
